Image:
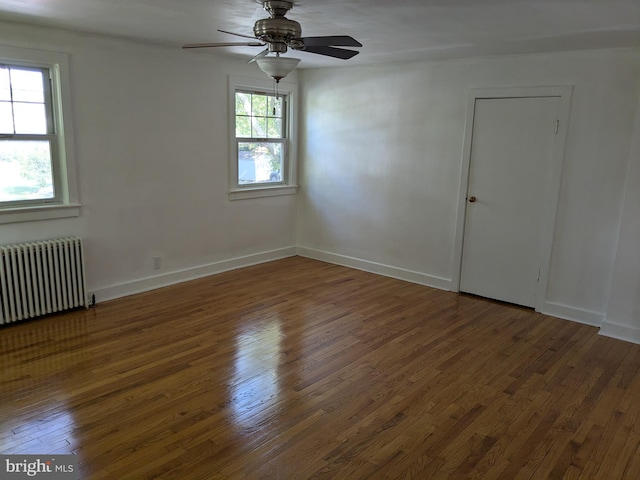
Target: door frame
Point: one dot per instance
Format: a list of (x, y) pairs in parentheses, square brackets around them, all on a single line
[(550, 202)]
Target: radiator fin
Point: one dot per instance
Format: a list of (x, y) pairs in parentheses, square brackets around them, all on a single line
[(39, 278)]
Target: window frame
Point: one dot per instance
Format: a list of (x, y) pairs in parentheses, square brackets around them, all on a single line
[(287, 184), (65, 202)]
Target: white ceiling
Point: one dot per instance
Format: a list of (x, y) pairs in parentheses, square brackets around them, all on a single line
[(400, 30)]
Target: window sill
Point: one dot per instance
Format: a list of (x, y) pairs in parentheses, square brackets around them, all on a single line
[(40, 212), (253, 192)]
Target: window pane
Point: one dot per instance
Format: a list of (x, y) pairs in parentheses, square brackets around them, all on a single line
[(6, 118), (243, 103), (259, 105), (25, 171), (27, 86), (30, 118), (275, 128), (259, 127), (5, 91), (259, 162), (243, 127)]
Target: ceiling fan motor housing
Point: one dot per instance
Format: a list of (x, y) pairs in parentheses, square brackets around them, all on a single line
[(277, 30)]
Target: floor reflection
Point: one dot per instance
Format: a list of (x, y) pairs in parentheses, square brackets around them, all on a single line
[(39, 359), (255, 385), (58, 344), (51, 432)]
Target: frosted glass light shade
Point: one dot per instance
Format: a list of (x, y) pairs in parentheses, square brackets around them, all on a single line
[(277, 67)]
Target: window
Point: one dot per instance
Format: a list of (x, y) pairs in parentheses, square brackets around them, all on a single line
[(27, 136), (260, 136), (36, 171), (261, 163)]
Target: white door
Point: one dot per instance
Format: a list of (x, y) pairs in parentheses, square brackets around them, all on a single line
[(509, 176)]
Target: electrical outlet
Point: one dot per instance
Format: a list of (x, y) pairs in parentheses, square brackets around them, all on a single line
[(157, 263)]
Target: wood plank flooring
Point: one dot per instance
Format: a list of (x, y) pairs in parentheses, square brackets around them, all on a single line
[(299, 369)]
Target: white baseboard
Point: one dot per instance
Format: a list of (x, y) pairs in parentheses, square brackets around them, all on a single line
[(621, 332), (379, 268), (607, 328), (574, 314), (179, 276)]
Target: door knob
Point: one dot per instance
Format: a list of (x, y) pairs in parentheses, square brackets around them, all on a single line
[(472, 199)]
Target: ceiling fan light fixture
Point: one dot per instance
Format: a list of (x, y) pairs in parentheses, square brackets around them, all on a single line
[(277, 67)]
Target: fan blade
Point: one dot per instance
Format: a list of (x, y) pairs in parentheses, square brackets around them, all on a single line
[(332, 52), (260, 55), (237, 34), (225, 44), (335, 41)]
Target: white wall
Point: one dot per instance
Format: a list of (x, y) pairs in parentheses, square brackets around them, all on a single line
[(623, 312), (151, 129), (382, 153)]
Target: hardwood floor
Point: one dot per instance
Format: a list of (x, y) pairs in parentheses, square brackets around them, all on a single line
[(300, 369)]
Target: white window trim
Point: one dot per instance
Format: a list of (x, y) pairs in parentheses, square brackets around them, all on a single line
[(69, 205), (288, 185)]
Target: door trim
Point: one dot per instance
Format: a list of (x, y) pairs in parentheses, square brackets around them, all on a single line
[(551, 202)]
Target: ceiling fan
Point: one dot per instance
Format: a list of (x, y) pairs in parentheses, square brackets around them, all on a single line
[(278, 34)]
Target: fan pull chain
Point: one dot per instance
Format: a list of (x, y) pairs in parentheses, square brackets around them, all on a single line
[(275, 88)]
